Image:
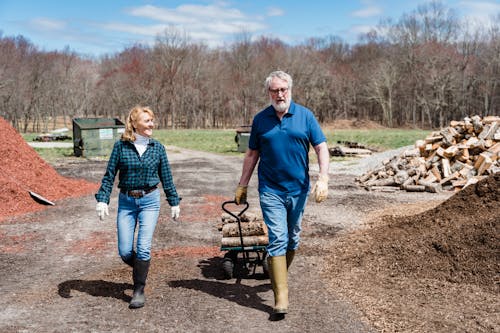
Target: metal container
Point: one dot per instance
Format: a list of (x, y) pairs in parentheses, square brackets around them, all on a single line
[(242, 137), (93, 137)]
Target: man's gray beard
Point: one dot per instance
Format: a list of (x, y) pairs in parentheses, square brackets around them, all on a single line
[(281, 107)]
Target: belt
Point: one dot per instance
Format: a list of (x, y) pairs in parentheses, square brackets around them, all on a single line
[(137, 193)]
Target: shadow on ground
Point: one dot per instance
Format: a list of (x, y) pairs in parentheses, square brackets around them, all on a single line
[(235, 292), (97, 288)]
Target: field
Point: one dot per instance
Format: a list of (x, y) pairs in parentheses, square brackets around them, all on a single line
[(223, 141)]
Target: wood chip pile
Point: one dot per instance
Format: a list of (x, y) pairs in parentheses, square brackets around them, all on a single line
[(253, 230), (450, 159)]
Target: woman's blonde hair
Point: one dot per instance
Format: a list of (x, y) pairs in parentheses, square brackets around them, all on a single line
[(132, 118)]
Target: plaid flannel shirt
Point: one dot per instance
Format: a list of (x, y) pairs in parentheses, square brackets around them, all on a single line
[(138, 172)]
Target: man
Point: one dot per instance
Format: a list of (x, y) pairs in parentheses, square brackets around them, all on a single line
[(280, 139)]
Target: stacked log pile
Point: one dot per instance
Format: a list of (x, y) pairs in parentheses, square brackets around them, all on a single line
[(348, 148), (253, 230), (450, 159)]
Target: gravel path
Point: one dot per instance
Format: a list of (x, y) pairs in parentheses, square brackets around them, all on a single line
[(358, 166)]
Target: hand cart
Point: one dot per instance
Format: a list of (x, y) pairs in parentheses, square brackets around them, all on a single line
[(251, 255)]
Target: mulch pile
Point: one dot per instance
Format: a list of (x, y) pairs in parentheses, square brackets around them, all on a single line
[(23, 170), (457, 241), (436, 271)]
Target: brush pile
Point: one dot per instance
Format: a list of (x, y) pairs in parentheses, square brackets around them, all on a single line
[(450, 159)]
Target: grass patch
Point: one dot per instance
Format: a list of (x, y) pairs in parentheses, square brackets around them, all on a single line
[(214, 141), (381, 139)]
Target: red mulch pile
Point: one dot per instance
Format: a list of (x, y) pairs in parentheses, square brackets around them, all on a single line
[(23, 170)]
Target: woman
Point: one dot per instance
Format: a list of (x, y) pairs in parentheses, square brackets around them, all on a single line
[(142, 164)]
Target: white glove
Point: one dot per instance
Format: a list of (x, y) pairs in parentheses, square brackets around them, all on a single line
[(176, 211), (102, 210)]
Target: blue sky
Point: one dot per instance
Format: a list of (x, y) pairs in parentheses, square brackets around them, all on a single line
[(97, 27)]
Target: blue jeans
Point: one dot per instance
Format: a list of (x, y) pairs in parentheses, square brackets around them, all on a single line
[(283, 216), (142, 212)]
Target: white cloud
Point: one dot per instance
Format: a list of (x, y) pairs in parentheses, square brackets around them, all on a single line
[(481, 7), (187, 13), (275, 11), (369, 11), (47, 24), (160, 14), (150, 30), (479, 13), (208, 23)]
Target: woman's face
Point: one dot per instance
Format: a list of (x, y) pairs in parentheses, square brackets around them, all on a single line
[(144, 125)]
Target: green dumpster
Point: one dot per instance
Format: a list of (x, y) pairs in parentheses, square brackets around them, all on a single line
[(93, 137), (242, 137)]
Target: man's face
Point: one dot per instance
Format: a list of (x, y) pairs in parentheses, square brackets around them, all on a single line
[(279, 94)]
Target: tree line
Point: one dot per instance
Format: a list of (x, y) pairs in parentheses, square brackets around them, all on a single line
[(421, 70)]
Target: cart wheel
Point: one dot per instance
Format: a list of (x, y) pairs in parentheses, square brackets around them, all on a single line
[(265, 267), (228, 265)]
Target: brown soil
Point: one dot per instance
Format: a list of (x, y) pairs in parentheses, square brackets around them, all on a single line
[(388, 262)]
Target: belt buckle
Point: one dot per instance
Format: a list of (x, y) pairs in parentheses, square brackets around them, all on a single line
[(136, 193)]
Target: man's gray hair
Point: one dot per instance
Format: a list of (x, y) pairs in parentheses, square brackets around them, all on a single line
[(280, 75)]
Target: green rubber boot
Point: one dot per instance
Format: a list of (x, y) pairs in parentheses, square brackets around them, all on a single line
[(279, 280)]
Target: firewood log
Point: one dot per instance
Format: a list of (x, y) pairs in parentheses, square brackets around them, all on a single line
[(413, 188), (478, 125), (247, 241), (254, 228)]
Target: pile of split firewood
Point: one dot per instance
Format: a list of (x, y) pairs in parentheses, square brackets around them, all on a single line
[(253, 230), (450, 159)]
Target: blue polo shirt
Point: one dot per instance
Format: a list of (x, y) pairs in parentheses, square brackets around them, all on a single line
[(283, 148)]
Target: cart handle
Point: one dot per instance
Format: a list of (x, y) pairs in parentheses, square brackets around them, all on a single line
[(230, 213)]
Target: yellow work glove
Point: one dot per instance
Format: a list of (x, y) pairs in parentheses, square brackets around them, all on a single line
[(241, 194), (320, 189)]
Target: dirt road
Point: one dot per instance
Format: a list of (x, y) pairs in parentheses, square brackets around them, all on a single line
[(61, 272)]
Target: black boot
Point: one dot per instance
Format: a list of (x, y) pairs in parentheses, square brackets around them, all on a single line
[(139, 274), (129, 261)]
